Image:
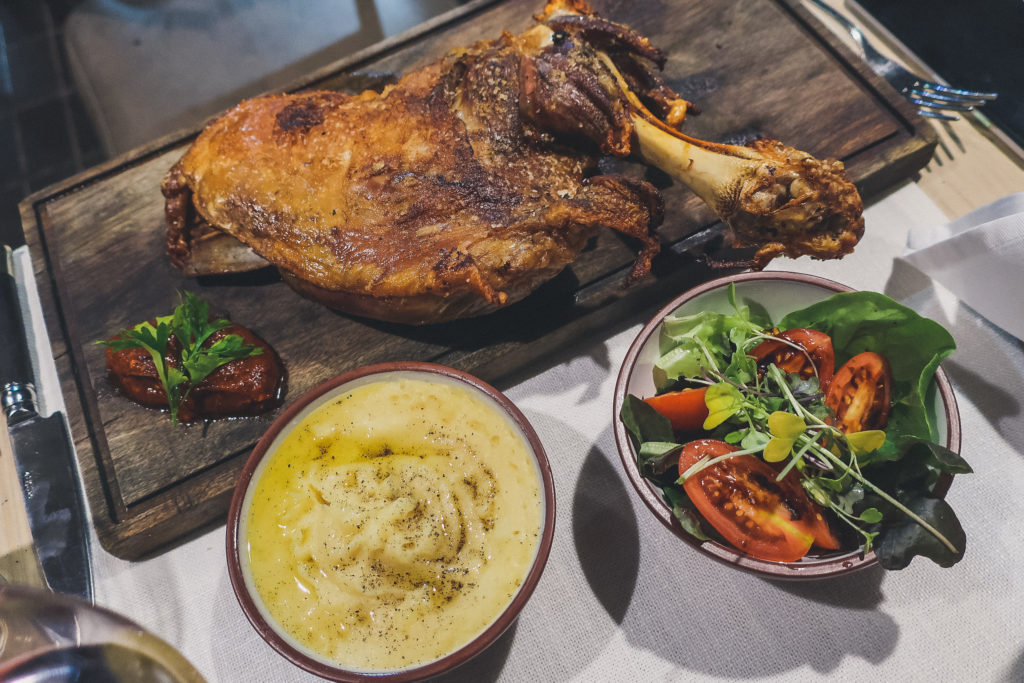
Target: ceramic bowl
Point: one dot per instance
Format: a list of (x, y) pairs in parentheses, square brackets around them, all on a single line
[(241, 578), (779, 293)]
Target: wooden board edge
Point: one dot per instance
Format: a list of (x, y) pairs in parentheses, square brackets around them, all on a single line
[(902, 109), (993, 133), (904, 157), (101, 500), (172, 517), (139, 533)]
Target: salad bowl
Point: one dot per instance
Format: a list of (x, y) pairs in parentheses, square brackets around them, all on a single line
[(775, 294)]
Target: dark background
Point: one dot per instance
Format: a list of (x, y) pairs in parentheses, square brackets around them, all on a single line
[(82, 81), (973, 44), (45, 133)]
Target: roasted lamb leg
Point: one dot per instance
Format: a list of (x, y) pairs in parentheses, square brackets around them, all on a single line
[(472, 180)]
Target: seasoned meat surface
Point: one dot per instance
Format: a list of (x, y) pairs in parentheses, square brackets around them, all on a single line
[(474, 179), (438, 190)]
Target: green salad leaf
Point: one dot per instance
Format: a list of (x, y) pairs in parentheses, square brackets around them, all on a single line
[(686, 513), (644, 422), (913, 345), (902, 539), (690, 343), (880, 483)]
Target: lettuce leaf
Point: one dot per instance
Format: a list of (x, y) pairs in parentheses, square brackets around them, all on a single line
[(914, 346), (903, 539), (687, 341), (907, 466), (643, 422)]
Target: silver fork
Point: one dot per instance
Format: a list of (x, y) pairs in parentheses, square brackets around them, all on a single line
[(932, 99)]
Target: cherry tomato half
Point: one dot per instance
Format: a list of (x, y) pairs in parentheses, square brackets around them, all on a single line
[(816, 354), (685, 409), (740, 498), (861, 393)]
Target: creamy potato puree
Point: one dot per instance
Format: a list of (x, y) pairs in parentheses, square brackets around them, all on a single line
[(394, 524)]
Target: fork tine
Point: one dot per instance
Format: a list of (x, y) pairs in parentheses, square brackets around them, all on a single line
[(913, 87), (941, 97), (932, 114), (940, 104), (973, 94)]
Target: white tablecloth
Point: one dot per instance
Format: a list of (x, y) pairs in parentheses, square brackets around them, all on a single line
[(623, 599)]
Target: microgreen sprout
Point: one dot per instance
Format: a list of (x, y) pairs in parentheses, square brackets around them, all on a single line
[(783, 418)]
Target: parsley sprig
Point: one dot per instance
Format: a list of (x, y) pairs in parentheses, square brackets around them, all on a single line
[(191, 326)]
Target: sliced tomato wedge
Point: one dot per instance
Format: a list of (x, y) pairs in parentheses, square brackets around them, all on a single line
[(823, 535), (740, 498), (861, 393), (814, 354), (685, 409)]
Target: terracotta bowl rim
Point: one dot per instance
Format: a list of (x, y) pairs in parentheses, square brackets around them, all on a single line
[(811, 567), (453, 659)]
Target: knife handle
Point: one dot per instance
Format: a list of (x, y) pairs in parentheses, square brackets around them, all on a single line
[(18, 393)]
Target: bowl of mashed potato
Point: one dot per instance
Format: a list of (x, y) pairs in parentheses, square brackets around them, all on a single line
[(391, 524)]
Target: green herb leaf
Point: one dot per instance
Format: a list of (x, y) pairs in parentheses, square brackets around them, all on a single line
[(174, 381), (655, 458), (736, 436), (723, 401), (785, 428), (902, 539), (203, 361), (191, 326), (871, 516), (865, 442), (742, 367), (755, 440), (686, 513), (643, 422)]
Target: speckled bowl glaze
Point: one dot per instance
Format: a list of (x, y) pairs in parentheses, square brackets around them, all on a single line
[(242, 584), (779, 293)]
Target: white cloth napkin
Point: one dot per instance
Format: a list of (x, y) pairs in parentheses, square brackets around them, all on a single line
[(980, 259)]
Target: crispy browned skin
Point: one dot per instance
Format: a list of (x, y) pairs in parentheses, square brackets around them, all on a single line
[(434, 200), (468, 183), (249, 386), (815, 192)]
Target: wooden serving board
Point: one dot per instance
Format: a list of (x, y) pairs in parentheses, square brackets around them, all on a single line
[(755, 67)]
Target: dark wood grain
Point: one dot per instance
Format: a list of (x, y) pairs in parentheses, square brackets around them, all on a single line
[(755, 68)]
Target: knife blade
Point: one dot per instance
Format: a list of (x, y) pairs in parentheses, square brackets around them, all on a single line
[(43, 455)]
